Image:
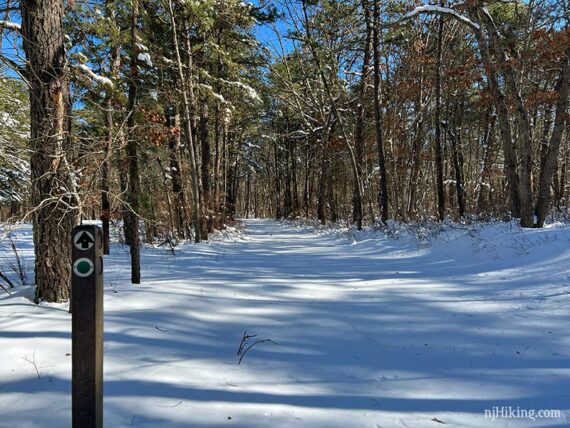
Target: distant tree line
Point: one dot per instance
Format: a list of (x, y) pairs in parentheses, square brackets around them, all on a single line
[(172, 118)]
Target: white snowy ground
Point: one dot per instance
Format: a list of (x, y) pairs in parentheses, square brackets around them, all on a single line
[(367, 331)]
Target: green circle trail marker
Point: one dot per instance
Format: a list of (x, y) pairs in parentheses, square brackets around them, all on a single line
[(83, 267), (87, 327)]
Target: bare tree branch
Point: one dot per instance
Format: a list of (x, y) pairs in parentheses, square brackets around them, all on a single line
[(429, 10), (7, 25)]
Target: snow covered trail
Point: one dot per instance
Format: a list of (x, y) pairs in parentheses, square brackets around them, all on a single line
[(374, 333)]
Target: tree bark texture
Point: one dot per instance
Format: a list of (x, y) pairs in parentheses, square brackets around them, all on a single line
[(43, 42)]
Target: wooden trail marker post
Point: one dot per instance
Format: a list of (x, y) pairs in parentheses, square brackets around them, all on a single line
[(87, 327)]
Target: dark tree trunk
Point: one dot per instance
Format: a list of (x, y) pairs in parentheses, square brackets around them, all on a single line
[(115, 63), (511, 165), (187, 96), (357, 203), (547, 171), (330, 193), (217, 162), (247, 194), (522, 121), (288, 196), (480, 201), (216, 203), (416, 156), (231, 176), (321, 200), (105, 203), (306, 187), (278, 212), (457, 156), (205, 169), (338, 118), (548, 110), (438, 142), (294, 181), (123, 165), (383, 196), (43, 41), (176, 173), (132, 156)]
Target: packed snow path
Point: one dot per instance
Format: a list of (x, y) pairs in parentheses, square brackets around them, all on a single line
[(376, 332)]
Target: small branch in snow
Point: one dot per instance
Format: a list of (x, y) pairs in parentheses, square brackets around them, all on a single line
[(32, 361), (242, 350), (243, 341), (251, 346), (431, 9)]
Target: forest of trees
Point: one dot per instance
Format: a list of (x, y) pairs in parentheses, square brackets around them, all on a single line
[(172, 118)]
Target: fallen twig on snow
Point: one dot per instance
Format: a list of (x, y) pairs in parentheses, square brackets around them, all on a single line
[(242, 350)]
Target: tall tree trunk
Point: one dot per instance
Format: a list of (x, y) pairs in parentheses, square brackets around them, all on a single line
[(331, 99), (306, 186), (490, 119), (105, 203), (233, 182), (438, 142), (288, 196), (547, 124), (172, 118), (247, 193), (330, 193), (43, 41), (132, 156), (294, 183), (278, 211), (187, 120), (511, 165), (217, 166), (416, 154), (456, 152), (524, 137), (545, 181), (205, 168), (321, 199), (378, 114), (357, 204), (115, 63), (216, 204)]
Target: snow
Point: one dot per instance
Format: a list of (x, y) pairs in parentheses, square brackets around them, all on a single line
[(443, 10), (251, 93), (141, 47), (81, 57), (409, 327), (145, 57), (213, 93), (10, 26), (96, 77), (7, 120)]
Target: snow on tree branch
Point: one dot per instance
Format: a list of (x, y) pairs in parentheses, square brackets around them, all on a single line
[(10, 26), (431, 9), (213, 93), (251, 93), (96, 77)]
